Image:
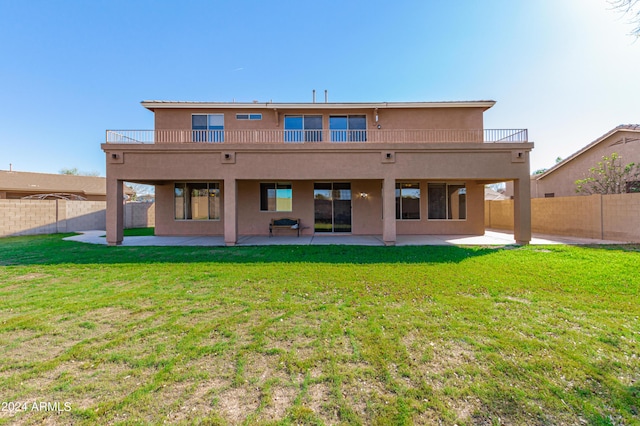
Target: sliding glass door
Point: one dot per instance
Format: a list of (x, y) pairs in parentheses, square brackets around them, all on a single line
[(332, 205)]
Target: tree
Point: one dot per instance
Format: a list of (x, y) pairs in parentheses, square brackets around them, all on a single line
[(74, 171), (609, 176), (67, 171), (632, 9), (141, 190), (544, 169)]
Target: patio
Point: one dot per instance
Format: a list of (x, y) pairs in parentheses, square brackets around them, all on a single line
[(491, 237)]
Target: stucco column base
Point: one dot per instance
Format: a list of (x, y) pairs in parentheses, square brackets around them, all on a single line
[(522, 210), (115, 211), (522, 243), (389, 211), (230, 212)]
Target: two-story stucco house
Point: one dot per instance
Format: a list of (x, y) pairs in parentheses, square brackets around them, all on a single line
[(387, 169)]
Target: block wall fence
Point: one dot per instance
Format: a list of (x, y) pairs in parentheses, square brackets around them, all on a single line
[(609, 217), (33, 217)]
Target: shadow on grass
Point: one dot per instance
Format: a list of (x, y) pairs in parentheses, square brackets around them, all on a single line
[(51, 249)]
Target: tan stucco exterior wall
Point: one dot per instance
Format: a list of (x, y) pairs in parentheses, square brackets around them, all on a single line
[(165, 216), (388, 119), (366, 212), (307, 164)]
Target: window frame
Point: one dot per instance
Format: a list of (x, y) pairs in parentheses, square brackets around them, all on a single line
[(214, 187), (447, 201), (275, 186), (399, 200), (304, 134), (348, 134), (249, 116), (211, 134)]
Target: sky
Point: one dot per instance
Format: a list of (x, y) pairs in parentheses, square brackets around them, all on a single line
[(567, 70)]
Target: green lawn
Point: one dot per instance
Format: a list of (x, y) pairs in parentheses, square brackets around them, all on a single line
[(319, 334)]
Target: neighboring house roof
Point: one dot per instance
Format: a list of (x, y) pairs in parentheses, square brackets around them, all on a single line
[(152, 105), (622, 127), (491, 195), (53, 183)]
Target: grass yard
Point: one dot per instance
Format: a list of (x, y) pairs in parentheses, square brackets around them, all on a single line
[(318, 335)]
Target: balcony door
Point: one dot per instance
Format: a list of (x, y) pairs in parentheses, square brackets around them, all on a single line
[(332, 205)]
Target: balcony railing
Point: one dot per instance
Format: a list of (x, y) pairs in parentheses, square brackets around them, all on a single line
[(317, 136)]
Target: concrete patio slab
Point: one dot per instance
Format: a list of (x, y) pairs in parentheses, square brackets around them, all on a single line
[(491, 237)]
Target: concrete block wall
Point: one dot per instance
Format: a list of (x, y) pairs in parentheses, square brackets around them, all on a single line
[(81, 215), (621, 217), (139, 215), (33, 217), (28, 217), (570, 216), (498, 214), (609, 217)]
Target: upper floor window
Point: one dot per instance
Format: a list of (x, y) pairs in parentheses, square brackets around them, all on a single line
[(447, 201), (348, 128), (303, 128), (249, 117), (207, 127), (408, 200)]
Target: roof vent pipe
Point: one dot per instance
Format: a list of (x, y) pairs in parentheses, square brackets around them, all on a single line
[(326, 96), (314, 96)]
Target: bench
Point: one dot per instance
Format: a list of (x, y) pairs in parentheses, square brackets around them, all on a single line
[(284, 223)]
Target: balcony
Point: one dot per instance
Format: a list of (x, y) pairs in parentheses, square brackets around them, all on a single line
[(317, 136)]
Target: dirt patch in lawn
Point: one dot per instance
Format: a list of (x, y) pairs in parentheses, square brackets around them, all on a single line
[(237, 404), (281, 400), (320, 401)]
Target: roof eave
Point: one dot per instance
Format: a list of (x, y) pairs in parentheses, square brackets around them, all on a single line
[(152, 105)]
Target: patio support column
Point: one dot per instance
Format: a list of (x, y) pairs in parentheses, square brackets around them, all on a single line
[(389, 211), (230, 212), (522, 210), (115, 211)]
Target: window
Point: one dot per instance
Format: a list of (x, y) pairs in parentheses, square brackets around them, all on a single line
[(303, 128), (407, 201), (447, 201), (248, 116), (276, 197), (207, 127), (197, 201), (348, 128)]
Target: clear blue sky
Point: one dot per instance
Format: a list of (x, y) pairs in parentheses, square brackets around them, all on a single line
[(565, 69)]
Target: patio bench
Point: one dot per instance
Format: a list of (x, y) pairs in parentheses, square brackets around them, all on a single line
[(284, 223)]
